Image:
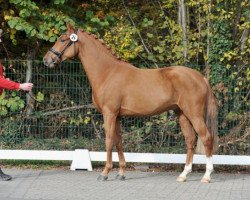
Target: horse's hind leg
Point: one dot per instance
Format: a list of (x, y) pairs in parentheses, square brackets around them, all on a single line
[(190, 139), (118, 143), (207, 139)]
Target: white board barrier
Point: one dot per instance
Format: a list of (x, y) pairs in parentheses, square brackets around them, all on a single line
[(81, 158)]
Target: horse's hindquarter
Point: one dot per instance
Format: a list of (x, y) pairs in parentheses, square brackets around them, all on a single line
[(147, 92), (191, 88)]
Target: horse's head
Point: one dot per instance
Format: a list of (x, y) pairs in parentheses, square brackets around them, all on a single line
[(65, 47)]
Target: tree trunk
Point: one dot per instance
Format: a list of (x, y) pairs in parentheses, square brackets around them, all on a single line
[(29, 101), (199, 34), (237, 19), (179, 13), (244, 38), (182, 18), (207, 70), (31, 56)]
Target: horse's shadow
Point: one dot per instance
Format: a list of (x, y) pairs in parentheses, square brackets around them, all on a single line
[(130, 177), (34, 173)]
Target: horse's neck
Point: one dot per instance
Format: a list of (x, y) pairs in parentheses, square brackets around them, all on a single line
[(97, 65)]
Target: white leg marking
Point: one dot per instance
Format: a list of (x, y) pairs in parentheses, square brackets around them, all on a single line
[(209, 169), (183, 175)]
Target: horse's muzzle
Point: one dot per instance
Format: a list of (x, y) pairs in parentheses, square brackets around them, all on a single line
[(47, 63)]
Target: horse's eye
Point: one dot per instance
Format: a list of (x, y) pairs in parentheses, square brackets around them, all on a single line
[(63, 40)]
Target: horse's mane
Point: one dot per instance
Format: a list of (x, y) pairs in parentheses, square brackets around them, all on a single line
[(102, 43)]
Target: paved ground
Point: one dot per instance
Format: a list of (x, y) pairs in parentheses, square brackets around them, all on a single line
[(76, 185)]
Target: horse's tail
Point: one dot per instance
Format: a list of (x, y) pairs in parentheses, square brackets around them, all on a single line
[(211, 117)]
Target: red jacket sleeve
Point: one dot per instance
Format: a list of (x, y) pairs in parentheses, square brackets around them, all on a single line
[(6, 84)]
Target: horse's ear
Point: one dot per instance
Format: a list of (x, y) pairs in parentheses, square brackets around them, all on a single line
[(69, 28)]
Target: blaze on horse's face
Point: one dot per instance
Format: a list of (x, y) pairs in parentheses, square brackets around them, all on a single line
[(63, 49)]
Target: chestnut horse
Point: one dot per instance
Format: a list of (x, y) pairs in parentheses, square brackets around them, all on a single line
[(120, 89)]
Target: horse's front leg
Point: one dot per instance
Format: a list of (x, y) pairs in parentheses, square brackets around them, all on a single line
[(110, 131), (118, 143)]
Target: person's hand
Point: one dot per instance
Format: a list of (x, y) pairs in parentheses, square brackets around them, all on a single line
[(26, 86)]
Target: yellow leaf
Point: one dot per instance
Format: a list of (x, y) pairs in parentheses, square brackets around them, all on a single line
[(56, 31), (6, 17), (87, 120)]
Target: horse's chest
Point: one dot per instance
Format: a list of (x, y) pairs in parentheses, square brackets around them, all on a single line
[(96, 102)]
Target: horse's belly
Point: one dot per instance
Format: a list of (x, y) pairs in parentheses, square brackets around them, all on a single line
[(144, 108), (128, 112), (149, 99)]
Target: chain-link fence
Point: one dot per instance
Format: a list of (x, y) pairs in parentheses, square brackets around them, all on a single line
[(60, 115)]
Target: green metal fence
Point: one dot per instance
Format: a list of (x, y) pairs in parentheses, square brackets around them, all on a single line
[(66, 119)]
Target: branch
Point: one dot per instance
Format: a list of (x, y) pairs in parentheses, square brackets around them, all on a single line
[(139, 34), (61, 110), (97, 132), (170, 32)]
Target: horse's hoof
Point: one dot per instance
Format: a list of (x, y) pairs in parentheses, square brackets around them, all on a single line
[(205, 180), (120, 177), (102, 178), (181, 179)]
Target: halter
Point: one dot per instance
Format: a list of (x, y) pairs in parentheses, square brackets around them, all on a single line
[(73, 38)]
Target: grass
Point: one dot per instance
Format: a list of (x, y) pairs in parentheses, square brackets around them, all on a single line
[(36, 164)]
